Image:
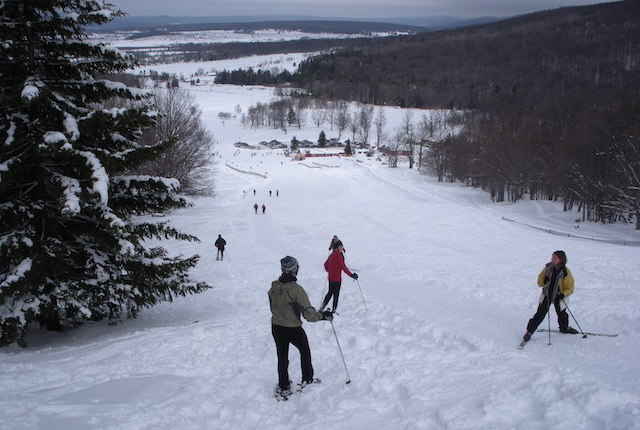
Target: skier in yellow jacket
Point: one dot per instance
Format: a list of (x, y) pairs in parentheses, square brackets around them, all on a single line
[(557, 283)]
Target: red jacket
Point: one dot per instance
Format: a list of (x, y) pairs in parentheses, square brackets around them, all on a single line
[(335, 266)]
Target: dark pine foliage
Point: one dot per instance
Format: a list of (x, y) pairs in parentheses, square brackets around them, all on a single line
[(71, 249), (251, 77)]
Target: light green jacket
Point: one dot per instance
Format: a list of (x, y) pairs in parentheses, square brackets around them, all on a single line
[(288, 301)]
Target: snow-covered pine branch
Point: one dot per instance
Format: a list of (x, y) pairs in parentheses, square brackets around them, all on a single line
[(71, 246)]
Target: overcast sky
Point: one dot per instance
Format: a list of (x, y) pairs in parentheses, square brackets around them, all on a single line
[(342, 8)]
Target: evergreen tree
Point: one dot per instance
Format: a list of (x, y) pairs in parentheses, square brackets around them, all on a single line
[(295, 144), (70, 247), (291, 116), (347, 148), (322, 139)]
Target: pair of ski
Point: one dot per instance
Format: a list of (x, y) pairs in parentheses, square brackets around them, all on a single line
[(586, 333), (283, 395)]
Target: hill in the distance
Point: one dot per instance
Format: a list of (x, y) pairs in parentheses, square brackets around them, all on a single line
[(239, 22)]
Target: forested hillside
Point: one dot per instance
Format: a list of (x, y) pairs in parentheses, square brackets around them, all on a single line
[(532, 58), (552, 100)]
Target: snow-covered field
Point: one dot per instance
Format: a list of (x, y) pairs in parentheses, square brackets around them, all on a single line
[(121, 39), (159, 44), (448, 285), (206, 70)]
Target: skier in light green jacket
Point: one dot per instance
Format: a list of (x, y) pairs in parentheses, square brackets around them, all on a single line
[(288, 302)]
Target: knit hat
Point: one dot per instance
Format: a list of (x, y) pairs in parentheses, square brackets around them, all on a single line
[(336, 244), (289, 265), (562, 256)]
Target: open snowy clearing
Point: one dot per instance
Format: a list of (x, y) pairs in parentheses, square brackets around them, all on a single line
[(205, 70), (449, 286)]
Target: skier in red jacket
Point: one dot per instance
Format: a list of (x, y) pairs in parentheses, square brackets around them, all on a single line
[(335, 265)]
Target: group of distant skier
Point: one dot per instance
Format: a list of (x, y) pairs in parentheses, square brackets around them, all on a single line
[(264, 207)]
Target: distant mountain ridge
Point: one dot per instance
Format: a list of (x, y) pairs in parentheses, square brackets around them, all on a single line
[(187, 23), (340, 27)]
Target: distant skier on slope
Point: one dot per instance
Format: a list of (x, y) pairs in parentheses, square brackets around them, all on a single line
[(557, 283), (220, 243), (288, 301), (335, 265)]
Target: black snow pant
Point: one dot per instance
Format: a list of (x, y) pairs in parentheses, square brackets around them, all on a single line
[(283, 336), (543, 308), (221, 253), (334, 290)]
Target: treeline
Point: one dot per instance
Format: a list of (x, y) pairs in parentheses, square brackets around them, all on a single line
[(252, 77), (552, 101), (222, 51), (306, 26), (591, 162)]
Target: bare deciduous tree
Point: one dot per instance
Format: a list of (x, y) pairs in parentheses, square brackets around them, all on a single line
[(189, 158), (330, 111), (342, 118), (318, 117), (365, 119), (354, 126), (380, 122), (407, 133), (300, 108)]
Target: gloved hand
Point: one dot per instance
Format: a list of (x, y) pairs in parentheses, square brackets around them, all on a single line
[(354, 276), (560, 296), (327, 315)]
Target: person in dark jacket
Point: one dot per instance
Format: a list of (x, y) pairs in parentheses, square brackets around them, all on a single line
[(334, 266), (289, 301), (220, 244), (557, 283)]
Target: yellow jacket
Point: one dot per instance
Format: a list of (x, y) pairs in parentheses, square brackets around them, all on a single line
[(565, 279)]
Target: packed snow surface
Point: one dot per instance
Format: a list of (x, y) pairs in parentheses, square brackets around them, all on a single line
[(429, 332)]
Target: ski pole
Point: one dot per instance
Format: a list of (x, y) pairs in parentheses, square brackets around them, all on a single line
[(340, 349), (365, 303), (548, 317), (574, 318), (323, 288)]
